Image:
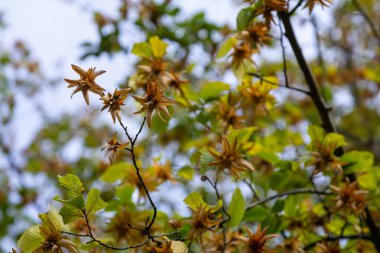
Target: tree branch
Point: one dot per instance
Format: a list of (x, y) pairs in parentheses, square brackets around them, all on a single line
[(134, 161), (94, 239), (278, 84), (284, 57), (336, 238), (314, 92), (296, 7), (292, 192), (323, 111), (215, 186), (368, 19)]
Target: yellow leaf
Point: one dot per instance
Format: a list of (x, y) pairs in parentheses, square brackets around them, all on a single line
[(158, 46), (178, 247)]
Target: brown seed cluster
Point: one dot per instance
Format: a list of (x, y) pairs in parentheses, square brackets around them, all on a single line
[(230, 158), (350, 198)]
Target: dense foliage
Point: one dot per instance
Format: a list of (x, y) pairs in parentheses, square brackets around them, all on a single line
[(224, 139)]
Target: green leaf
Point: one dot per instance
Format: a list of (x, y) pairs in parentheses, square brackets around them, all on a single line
[(194, 200), (158, 46), (125, 193), (315, 133), (72, 184), (243, 134), (268, 156), (212, 90), (279, 179), (226, 47), (357, 161), (337, 140), (94, 202), (292, 206), (278, 206), (69, 214), (244, 17), (206, 158), (236, 209), (76, 203), (335, 225), (186, 172), (31, 239), (52, 218), (367, 181), (142, 49), (115, 172), (256, 214)]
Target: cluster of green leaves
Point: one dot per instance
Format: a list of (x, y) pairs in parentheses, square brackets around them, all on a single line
[(289, 191)]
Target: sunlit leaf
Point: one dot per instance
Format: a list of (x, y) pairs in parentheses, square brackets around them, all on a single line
[(142, 49), (94, 202), (178, 247), (31, 239), (69, 214), (76, 202), (125, 193), (194, 200), (158, 46), (212, 90), (236, 209), (186, 172), (316, 133), (226, 47), (72, 184), (357, 160), (115, 172), (244, 17)]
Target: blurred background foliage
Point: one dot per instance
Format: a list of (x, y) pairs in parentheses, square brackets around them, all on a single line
[(344, 59)]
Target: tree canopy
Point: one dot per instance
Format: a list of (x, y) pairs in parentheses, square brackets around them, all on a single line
[(245, 138)]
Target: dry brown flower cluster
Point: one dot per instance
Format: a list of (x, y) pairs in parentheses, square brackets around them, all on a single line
[(230, 158)]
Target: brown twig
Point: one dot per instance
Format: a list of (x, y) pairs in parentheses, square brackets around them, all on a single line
[(292, 192), (284, 57), (215, 186), (336, 238), (278, 84), (131, 150), (94, 239), (323, 111), (296, 7), (148, 225), (375, 33)]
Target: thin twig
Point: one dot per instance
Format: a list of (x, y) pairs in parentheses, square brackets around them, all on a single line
[(138, 133), (75, 234), (321, 61), (148, 224), (94, 239), (284, 56), (215, 186), (253, 190), (295, 7), (368, 19), (323, 111), (278, 84), (336, 238), (292, 192)]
